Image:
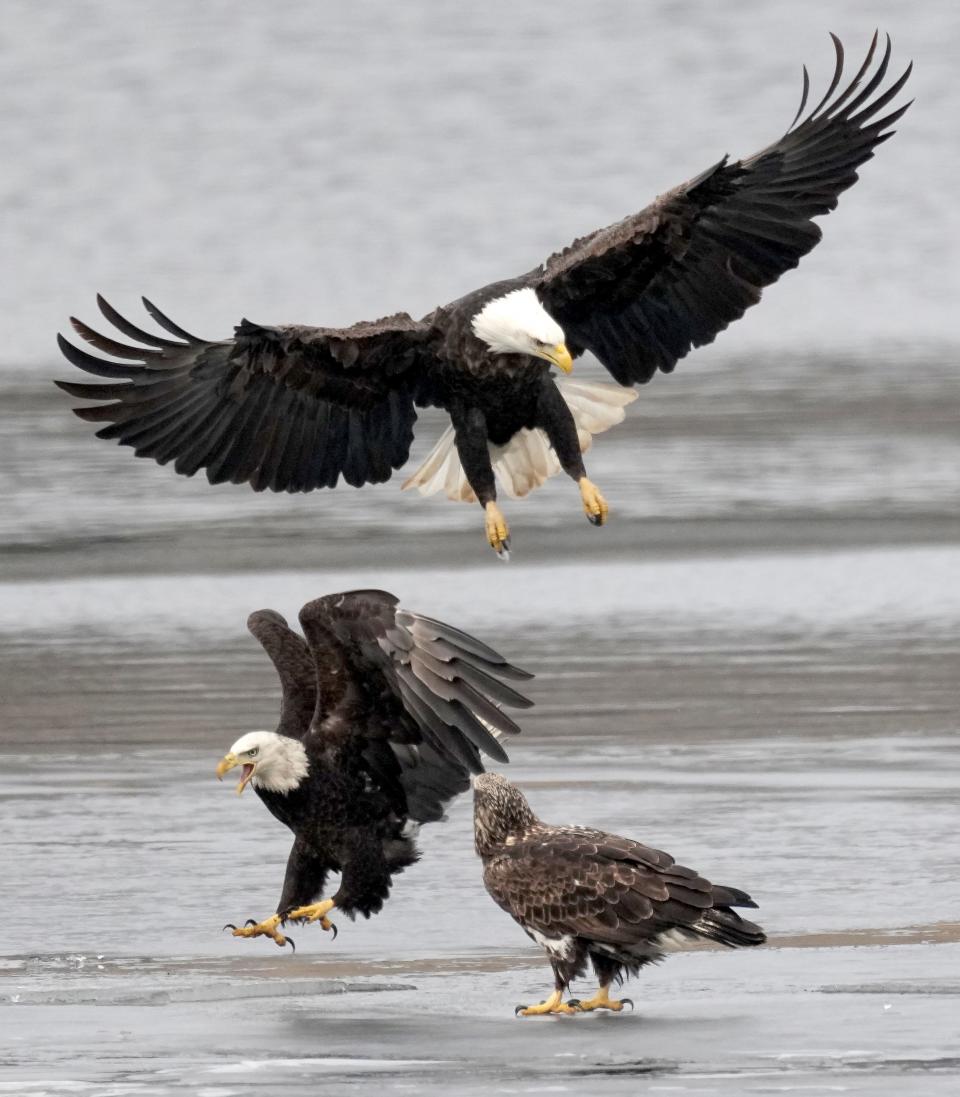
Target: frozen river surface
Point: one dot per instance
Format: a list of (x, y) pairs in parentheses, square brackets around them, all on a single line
[(755, 666), (808, 756)]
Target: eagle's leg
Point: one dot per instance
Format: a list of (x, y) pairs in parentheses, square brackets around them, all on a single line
[(553, 1004), (266, 928), (557, 420), (562, 973), (594, 505), (470, 427), (315, 912), (600, 1000)]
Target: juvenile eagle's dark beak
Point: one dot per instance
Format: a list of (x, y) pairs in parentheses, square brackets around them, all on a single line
[(560, 357), (231, 761)]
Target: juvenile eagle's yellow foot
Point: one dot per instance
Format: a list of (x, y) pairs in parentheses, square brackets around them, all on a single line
[(594, 505), (315, 912), (498, 533), (266, 928), (554, 1004), (600, 1000)]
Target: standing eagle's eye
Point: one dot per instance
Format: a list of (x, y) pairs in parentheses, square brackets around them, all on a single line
[(253, 752)]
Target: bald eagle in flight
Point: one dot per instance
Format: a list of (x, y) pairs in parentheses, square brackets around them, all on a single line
[(384, 717), (294, 408), (584, 895)]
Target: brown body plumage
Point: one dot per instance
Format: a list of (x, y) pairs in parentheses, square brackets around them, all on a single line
[(585, 895)]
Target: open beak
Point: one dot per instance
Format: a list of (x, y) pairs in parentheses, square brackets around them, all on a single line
[(560, 357), (231, 761)]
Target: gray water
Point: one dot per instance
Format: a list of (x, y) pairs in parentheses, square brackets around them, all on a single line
[(754, 666)]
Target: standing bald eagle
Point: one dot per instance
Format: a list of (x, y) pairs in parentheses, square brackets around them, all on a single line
[(586, 895), (295, 408), (383, 719)]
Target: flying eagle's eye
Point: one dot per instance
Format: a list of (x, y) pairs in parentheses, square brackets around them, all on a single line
[(253, 752)]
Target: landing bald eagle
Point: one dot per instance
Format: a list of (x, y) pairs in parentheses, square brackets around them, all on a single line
[(384, 717), (295, 408), (582, 894)]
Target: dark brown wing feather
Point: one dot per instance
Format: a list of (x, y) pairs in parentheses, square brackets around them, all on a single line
[(571, 881), (285, 408), (641, 293), (418, 698), (294, 665)]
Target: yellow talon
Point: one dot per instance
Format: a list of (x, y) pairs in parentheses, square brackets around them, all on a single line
[(594, 505), (498, 533), (314, 912), (266, 928), (554, 1004), (600, 1000)]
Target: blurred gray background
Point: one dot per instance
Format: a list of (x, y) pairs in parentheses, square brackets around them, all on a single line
[(755, 665)]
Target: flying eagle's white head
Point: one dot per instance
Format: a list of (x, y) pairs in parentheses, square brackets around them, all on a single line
[(275, 762), (518, 324)]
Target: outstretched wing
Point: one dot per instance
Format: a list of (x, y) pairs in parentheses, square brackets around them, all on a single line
[(567, 880), (294, 665), (418, 699), (284, 408), (642, 293)]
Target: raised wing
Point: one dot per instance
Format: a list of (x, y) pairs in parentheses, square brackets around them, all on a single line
[(419, 699), (645, 291), (294, 665), (284, 408)]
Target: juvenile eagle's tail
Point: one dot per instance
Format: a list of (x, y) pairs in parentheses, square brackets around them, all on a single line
[(528, 459)]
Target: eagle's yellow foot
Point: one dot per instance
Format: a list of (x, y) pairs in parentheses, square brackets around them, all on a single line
[(600, 1000), (266, 928), (554, 1004), (498, 533), (315, 912), (594, 505)]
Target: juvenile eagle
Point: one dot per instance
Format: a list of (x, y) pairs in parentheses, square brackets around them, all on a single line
[(294, 408), (582, 894), (383, 719)]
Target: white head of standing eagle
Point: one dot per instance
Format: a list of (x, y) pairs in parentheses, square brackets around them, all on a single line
[(385, 714), (296, 408)]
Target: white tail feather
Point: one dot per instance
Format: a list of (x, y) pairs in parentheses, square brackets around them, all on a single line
[(528, 459)]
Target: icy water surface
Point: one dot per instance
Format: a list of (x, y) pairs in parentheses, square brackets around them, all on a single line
[(756, 665), (794, 733)]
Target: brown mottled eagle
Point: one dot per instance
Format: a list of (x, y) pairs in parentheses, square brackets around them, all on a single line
[(294, 408), (583, 894), (383, 719)]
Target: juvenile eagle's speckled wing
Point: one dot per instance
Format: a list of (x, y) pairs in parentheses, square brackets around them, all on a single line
[(294, 665), (420, 698), (285, 408), (642, 293), (569, 880)]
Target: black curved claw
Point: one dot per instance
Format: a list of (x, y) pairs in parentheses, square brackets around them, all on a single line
[(290, 942), (335, 931), (595, 519), (503, 552), (250, 922), (627, 1002), (574, 1003), (229, 925), (519, 1010)]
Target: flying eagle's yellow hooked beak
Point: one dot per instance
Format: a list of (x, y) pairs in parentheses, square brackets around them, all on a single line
[(560, 357), (229, 762)]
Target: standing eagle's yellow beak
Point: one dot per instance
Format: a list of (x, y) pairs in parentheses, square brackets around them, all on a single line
[(560, 357), (229, 762)]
